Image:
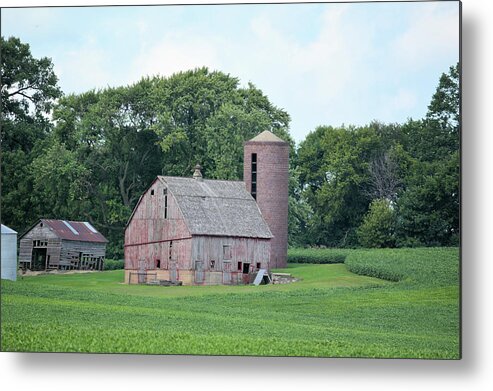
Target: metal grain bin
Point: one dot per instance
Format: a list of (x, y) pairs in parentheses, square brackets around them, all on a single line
[(9, 253)]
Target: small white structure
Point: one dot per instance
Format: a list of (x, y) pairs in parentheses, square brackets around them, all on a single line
[(9, 253)]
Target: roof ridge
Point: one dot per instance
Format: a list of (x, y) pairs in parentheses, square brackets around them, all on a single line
[(203, 180)]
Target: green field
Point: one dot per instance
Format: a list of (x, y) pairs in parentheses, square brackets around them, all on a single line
[(332, 312)]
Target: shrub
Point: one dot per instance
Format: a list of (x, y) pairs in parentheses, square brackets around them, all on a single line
[(113, 264), (316, 255), (377, 229)]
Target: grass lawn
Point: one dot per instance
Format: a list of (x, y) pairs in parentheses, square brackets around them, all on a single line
[(332, 312)]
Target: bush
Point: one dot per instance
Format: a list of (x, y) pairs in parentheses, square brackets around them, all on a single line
[(316, 255), (113, 264), (377, 229), (433, 266)]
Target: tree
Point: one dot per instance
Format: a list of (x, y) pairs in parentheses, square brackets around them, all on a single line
[(428, 209), (109, 131), (428, 206), (444, 108), (29, 90), (334, 173), (204, 117), (124, 137), (383, 180), (378, 226)]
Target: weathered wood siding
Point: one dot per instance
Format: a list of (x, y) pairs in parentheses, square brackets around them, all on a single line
[(149, 234), (43, 233), (245, 250), (60, 253), (73, 251), (146, 256)]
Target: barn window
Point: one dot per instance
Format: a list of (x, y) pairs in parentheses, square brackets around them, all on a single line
[(227, 252), (213, 263), (254, 176), (158, 264), (258, 265), (239, 266), (165, 192), (246, 268), (152, 192), (41, 224)]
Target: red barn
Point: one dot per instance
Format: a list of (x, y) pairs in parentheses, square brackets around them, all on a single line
[(207, 232)]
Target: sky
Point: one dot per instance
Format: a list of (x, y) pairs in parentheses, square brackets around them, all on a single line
[(325, 64)]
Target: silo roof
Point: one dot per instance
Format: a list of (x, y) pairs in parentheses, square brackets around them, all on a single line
[(8, 231), (267, 136)]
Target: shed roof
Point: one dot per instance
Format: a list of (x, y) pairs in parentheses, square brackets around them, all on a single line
[(74, 230), (217, 207)]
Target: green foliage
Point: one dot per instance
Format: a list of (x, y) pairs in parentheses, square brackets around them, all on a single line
[(124, 137), (425, 266), (378, 226), (113, 264), (334, 173), (316, 255), (101, 149), (330, 312), (204, 117), (29, 85), (59, 182), (29, 89), (342, 171)]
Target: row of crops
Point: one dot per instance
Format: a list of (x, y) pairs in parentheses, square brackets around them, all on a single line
[(331, 312), (429, 266)]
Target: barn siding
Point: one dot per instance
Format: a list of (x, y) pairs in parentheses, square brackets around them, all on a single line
[(148, 235), (144, 256), (148, 223), (72, 249), (250, 250), (44, 233)]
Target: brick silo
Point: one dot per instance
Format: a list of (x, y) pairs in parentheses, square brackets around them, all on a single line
[(265, 173)]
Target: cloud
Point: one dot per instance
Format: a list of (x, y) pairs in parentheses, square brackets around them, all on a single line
[(433, 33), (324, 64), (175, 53), (84, 66)]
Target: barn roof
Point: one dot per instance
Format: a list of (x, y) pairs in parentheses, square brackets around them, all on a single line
[(217, 207), (73, 230)]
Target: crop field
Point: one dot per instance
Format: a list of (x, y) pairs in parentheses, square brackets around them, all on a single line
[(378, 303)]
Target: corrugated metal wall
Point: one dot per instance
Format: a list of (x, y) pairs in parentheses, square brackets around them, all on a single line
[(9, 254)]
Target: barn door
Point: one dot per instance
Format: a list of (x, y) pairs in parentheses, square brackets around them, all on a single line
[(173, 271), (142, 273), (227, 273), (246, 273), (199, 272)]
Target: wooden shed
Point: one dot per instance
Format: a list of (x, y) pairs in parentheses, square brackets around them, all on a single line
[(196, 231), (61, 244)]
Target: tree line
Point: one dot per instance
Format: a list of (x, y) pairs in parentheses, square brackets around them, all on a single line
[(89, 156)]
